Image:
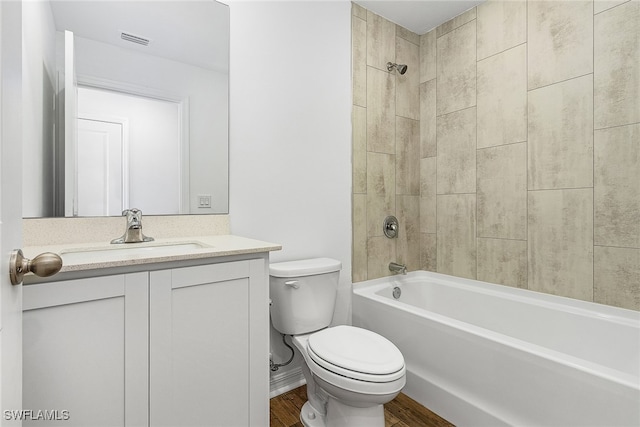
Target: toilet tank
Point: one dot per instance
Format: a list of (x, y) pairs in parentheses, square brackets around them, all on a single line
[(303, 294)]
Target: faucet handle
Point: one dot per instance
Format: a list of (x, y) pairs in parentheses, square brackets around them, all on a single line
[(134, 217), (132, 210)]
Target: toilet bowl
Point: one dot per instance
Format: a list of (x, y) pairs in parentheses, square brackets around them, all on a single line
[(350, 372)]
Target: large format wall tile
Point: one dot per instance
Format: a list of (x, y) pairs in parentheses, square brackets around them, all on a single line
[(380, 252), (456, 135), (456, 22), (428, 56), (381, 111), (359, 60), (560, 242), (617, 277), (617, 66), (560, 40), (407, 156), (381, 41), (502, 192), (456, 238), (617, 186), (561, 135), (428, 119), (488, 132), (501, 26), (358, 11), (602, 5), (381, 191), (502, 98), (359, 145), (407, 92), (359, 249), (456, 69), (428, 252), (503, 262), (408, 241), (408, 35), (428, 195)]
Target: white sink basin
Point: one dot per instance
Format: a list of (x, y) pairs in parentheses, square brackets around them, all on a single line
[(128, 251)]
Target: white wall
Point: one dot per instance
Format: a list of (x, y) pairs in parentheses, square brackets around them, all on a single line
[(290, 132)]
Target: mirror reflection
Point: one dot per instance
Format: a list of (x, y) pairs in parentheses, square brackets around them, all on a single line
[(125, 105)]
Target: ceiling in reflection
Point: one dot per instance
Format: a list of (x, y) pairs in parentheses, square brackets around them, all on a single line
[(169, 26)]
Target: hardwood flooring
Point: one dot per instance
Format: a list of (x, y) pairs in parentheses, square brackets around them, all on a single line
[(400, 412)]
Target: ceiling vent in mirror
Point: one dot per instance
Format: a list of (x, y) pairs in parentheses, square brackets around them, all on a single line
[(134, 39)]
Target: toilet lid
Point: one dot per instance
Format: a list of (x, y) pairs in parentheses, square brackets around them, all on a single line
[(355, 349)]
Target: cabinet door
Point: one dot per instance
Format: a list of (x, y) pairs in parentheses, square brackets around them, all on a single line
[(85, 351), (201, 331)]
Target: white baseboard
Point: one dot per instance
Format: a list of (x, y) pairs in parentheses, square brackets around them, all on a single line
[(285, 381)]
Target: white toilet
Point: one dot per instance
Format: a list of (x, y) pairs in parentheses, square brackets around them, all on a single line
[(350, 372)]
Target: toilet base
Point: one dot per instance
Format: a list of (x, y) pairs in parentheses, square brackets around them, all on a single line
[(310, 417), (340, 415)]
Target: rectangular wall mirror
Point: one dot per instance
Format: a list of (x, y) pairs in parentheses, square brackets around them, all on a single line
[(125, 105)]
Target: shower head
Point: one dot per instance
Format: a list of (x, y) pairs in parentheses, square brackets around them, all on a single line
[(402, 68)]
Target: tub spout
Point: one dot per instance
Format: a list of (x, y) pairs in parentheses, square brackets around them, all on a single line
[(397, 268)]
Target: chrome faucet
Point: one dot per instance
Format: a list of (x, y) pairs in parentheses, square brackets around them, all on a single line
[(133, 232), (397, 268)]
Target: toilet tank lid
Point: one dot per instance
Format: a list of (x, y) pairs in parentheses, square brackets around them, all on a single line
[(304, 267)]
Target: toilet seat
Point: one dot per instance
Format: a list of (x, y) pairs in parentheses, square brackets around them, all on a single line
[(356, 353), (376, 386)]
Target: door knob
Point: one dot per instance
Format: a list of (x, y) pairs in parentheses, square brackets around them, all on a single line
[(44, 265)]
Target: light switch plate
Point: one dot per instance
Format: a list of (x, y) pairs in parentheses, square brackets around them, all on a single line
[(204, 200)]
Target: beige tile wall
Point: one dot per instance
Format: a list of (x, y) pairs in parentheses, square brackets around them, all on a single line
[(509, 151), (388, 146)]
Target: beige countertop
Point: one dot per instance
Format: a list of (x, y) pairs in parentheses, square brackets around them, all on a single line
[(92, 256)]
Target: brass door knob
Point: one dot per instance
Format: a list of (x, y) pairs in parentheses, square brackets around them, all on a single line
[(44, 265)]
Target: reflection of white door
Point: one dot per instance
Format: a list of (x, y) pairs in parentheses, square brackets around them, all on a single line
[(101, 175), (10, 207), (154, 146)]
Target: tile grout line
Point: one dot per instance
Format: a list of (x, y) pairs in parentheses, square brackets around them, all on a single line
[(526, 166), (593, 155), (476, 150)]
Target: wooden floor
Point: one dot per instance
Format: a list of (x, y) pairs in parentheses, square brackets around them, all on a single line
[(400, 412)]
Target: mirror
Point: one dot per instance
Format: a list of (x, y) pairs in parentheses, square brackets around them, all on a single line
[(172, 54)]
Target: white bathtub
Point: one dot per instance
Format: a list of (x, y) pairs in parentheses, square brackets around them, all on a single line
[(483, 354)]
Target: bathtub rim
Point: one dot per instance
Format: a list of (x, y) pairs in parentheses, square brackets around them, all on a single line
[(614, 314), (368, 289)]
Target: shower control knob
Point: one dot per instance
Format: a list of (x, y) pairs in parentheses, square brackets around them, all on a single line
[(390, 227)]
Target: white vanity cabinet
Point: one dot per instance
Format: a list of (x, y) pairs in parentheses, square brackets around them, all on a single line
[(183, 346), (208, 345), (85, 350)]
